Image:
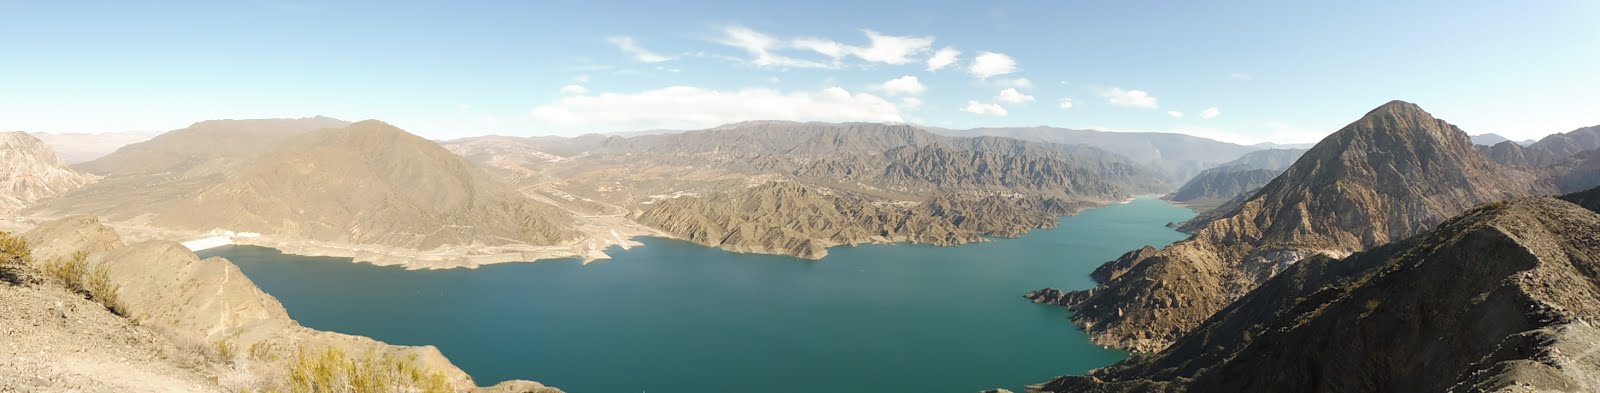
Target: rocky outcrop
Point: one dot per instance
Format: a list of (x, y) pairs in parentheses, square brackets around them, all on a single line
[(1394, 173), (792, 218), (164, 286), (30, 171), (1500, 298)]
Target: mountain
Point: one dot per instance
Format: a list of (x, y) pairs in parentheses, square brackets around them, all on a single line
[(1177, 156), (30, 171), (1499, 298), (369, 184), (1551, 150), (205, 147), (1573, 142), (871, 152), (78, 147), (1393, 173), (1489, 139)]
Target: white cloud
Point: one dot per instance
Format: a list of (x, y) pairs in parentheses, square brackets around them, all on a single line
[(1175, 113), (760, 46), (911, 103), (880, 48), (905, 85), (989, 64), (889, 49), (1210, 113), (1239, 76), (574, 89), (688, 107), (984, 109), (1066, 103), (820, 45), (627, 44), (1011, 95), (1133, 98), (1020, 83), (943, 58)]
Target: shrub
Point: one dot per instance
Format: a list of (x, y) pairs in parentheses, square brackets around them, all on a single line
[(102, 290), (15, 246), (70, 271), (331, 371)]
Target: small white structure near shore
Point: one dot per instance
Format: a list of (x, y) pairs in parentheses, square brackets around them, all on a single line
[(217, 238)]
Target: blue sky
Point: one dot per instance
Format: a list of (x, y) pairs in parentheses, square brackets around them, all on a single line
[(1272, 70)]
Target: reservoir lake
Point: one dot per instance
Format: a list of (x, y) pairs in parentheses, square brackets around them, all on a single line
[(672, 316)]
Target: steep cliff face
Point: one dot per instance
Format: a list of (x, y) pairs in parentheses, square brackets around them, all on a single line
[(30, 171), (791, 218), (1394, 173), (1500, 298)]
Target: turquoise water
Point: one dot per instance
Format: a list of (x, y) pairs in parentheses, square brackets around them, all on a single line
[(676, 317)]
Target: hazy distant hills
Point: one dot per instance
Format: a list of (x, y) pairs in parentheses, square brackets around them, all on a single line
[(1235, 178), (30, 171), (1177, 156), (75, 147), (1393, 173), (1499, 298)]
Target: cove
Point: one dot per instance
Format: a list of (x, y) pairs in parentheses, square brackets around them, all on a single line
[(673, 316)]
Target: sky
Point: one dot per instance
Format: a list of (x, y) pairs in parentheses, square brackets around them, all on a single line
[(1238, 71)]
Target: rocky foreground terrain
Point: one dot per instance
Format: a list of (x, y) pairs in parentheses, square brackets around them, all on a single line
[(1503, 298), (1394, 173), (84, 312)]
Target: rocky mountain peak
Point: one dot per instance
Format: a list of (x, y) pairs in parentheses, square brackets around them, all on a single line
[(30, 171)]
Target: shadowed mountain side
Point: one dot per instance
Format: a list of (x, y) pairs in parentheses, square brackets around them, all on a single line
[(1501, 297)]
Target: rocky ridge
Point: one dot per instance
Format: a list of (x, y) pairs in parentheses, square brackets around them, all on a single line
[(792, 218), (1500, 298)]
